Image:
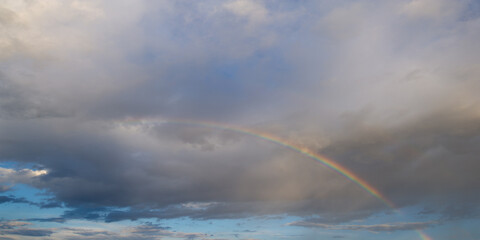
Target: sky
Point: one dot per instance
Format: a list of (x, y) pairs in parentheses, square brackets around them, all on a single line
[(240, 119)]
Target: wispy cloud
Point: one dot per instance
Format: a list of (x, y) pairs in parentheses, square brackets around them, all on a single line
[(402, 226), (22, 229)]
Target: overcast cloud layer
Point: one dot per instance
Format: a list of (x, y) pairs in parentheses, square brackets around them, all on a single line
[(388, 89)]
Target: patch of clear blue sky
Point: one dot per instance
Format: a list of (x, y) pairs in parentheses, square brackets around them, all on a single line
[(12, 211), (28, 192)]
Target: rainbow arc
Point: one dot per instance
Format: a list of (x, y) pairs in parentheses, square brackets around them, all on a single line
[(287, 144)]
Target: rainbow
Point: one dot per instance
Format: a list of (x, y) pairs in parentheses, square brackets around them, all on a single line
[(284, 143)]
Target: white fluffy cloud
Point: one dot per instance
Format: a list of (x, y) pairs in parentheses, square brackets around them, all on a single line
[(10, 177)]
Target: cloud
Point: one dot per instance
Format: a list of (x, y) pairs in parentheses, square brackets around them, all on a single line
[(54, 219), (254, 11), (10, 177), (459, 211), (145, 231), (29, 232), (431, 9), (20, 228), (12, 224), (418, 153), (395, 103), (373, 228), (12, 199)]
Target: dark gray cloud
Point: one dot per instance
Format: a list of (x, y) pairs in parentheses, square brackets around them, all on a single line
[(55, 219), (417, 154), (29, 232), (21, 102), (372, 91), (12, 199), (22, 229), (460, 211)]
